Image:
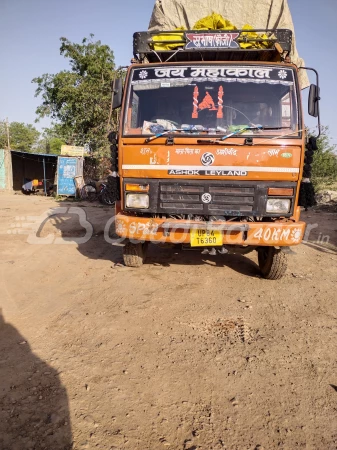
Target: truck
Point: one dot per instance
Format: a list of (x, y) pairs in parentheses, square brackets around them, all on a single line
[(212, 146)]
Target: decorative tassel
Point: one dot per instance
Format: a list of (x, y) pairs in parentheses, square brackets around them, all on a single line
[(220, 106), (195, 114), (307, 197)]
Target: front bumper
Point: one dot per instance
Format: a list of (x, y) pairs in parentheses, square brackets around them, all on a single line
[(283, 233)]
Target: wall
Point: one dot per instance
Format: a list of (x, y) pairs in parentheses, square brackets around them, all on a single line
[(3, 171)]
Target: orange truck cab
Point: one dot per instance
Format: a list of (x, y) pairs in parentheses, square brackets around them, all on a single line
[(211, 147)]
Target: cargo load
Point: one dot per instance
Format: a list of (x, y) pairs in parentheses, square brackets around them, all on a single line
[(170, 15)]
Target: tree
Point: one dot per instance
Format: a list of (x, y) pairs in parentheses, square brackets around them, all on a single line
[(51, 141), (79, 99), (324, 167), (22, 136)]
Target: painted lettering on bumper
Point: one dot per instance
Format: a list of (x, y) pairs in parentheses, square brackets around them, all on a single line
[(269, 234)]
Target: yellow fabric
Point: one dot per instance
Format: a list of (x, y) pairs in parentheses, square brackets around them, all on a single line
[(212, 22), (253, 35), (169, 37)]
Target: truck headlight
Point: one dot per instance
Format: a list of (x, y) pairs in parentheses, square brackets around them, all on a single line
[(278, 205), (137, 201)]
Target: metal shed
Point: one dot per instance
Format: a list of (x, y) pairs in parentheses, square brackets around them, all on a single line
[(29, 166)]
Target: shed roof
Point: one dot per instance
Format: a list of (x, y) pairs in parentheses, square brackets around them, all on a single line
[(26, 154)]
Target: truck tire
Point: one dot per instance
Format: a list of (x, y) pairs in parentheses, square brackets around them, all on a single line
[(272, 262), (134, 254)]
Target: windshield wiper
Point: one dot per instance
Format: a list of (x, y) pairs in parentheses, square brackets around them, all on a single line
[(180, 130), (162, 133), (223, 138), (241, 130), (210, 141)]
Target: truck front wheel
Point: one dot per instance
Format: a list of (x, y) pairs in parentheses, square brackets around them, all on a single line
[(134, 254), (272, 262)]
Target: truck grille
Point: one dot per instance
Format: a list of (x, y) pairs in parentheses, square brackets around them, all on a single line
[(206, 197), (225, 198)]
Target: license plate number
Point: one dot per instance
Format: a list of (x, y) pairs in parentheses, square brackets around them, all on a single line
[(205, 238)]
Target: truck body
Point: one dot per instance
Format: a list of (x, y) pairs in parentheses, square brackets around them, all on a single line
[(211, 147)]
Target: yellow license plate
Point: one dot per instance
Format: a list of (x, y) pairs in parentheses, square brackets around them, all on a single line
[(205, 238)]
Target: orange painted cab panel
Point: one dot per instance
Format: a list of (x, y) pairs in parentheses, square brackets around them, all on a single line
[(187, 160)]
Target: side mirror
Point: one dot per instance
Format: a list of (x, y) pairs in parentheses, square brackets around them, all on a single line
[(313, 101), (117, 93)]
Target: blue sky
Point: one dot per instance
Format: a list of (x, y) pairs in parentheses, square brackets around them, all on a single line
[(30, 32)]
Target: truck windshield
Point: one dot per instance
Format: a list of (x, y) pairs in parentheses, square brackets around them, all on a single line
[(212, 99)]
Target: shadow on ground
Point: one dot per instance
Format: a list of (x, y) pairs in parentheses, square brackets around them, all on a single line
[(168, 256), (34, 411), (322, 237), (100, 245)]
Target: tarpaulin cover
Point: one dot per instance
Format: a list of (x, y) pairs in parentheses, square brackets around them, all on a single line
[(212, 22), (262, 14)]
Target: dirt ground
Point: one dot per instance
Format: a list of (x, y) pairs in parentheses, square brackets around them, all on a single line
[(188, 352)]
